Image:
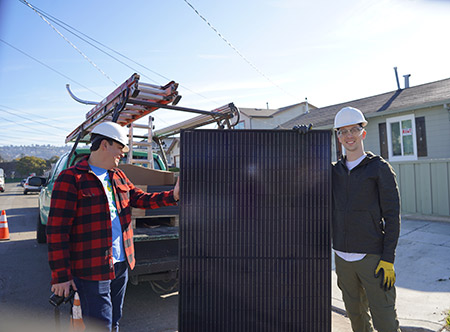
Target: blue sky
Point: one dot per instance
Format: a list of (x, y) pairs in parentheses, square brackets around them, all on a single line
[(327, 51)]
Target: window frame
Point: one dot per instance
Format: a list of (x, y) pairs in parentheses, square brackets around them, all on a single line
[(399, 119)]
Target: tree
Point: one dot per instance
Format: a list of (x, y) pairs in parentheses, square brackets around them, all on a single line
[(51, 161), (27, 165)]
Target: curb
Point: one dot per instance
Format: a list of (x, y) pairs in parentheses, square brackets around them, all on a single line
[(343, 313)]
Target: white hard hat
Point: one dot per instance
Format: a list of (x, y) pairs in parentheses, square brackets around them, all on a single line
[(349, 116), (113, 130)]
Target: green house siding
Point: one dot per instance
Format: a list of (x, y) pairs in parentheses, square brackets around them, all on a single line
[(424, 186), (437, 124), (437, 121), (372, 140)]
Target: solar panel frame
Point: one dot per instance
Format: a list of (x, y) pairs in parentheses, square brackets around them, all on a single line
[(255, 231)]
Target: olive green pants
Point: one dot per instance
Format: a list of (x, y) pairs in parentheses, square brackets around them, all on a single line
[(361, 292)]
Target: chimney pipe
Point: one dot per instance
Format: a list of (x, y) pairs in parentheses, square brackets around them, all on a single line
[(267, 105), (306, 106), (406, 80), (396, 77)]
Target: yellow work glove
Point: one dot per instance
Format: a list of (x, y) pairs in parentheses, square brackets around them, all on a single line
[(386, 269)]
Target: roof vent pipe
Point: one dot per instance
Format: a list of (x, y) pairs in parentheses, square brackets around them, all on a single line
[(396, 77), (406, 80), (306, 106), (267, 105)]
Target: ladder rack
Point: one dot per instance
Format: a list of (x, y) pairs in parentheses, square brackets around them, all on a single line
[(133, 100), (118, 106), (224, 113)]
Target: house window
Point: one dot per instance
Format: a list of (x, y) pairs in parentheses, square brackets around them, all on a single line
[(401, 136)]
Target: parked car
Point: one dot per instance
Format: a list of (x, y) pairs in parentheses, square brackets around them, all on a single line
[(2, 180), (33, 184)]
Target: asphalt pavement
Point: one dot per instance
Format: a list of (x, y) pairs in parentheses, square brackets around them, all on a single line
[(422, 267)]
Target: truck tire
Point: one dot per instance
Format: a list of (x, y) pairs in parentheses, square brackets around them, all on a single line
[(41, 234)]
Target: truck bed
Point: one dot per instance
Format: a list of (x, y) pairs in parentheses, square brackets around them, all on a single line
[(161, 232), (156, 251)]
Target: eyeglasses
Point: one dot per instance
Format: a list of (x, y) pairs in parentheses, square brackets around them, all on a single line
[(353, 131)]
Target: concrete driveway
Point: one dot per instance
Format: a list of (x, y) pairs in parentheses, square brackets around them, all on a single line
[(422, 267)]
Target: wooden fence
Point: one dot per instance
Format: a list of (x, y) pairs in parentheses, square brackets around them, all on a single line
[(424, 186)]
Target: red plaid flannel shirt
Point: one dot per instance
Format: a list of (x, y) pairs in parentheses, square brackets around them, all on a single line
[(79, 232)]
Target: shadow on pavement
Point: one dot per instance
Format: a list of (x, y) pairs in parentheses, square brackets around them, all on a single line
[(414, 329), (22, 220)]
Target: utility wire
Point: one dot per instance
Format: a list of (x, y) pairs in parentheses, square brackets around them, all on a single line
[(19, 116), (40, 62), (68, 41), (67, 27), (18, 136), (21, 124), (44, 15), (120, 54), (61, 24), (65, 76), (237, 51)]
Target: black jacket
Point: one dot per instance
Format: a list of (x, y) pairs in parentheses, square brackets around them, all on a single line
[(366, 208)]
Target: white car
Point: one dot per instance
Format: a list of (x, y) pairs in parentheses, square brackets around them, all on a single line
[(2, 180), (33, 184)]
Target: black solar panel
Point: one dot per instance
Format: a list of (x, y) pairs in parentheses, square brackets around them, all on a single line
[(255, 250)]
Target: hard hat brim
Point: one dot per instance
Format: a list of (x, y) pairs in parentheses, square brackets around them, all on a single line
[(364, 123)]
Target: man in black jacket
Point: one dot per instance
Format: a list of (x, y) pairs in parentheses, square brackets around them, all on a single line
[(366, 227)]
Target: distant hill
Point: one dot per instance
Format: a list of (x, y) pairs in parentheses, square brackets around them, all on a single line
[(11, 152)]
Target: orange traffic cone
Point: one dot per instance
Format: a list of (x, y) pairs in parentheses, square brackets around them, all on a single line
[(4, 230), (76, 319)]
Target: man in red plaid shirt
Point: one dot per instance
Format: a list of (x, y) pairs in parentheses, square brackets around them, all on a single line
[(89, 232)]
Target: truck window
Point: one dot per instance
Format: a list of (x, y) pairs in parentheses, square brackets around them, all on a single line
[(60, 165), (156, 164)]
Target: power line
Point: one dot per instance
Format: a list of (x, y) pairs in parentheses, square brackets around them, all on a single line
[(70, 43), (39, 122), (237, 51), (59, 73), (21, 124), (40, 62), (12, 136), (67, 27), (61, 24)]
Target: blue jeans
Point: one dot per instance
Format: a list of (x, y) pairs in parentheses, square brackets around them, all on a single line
[(102, 301)]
